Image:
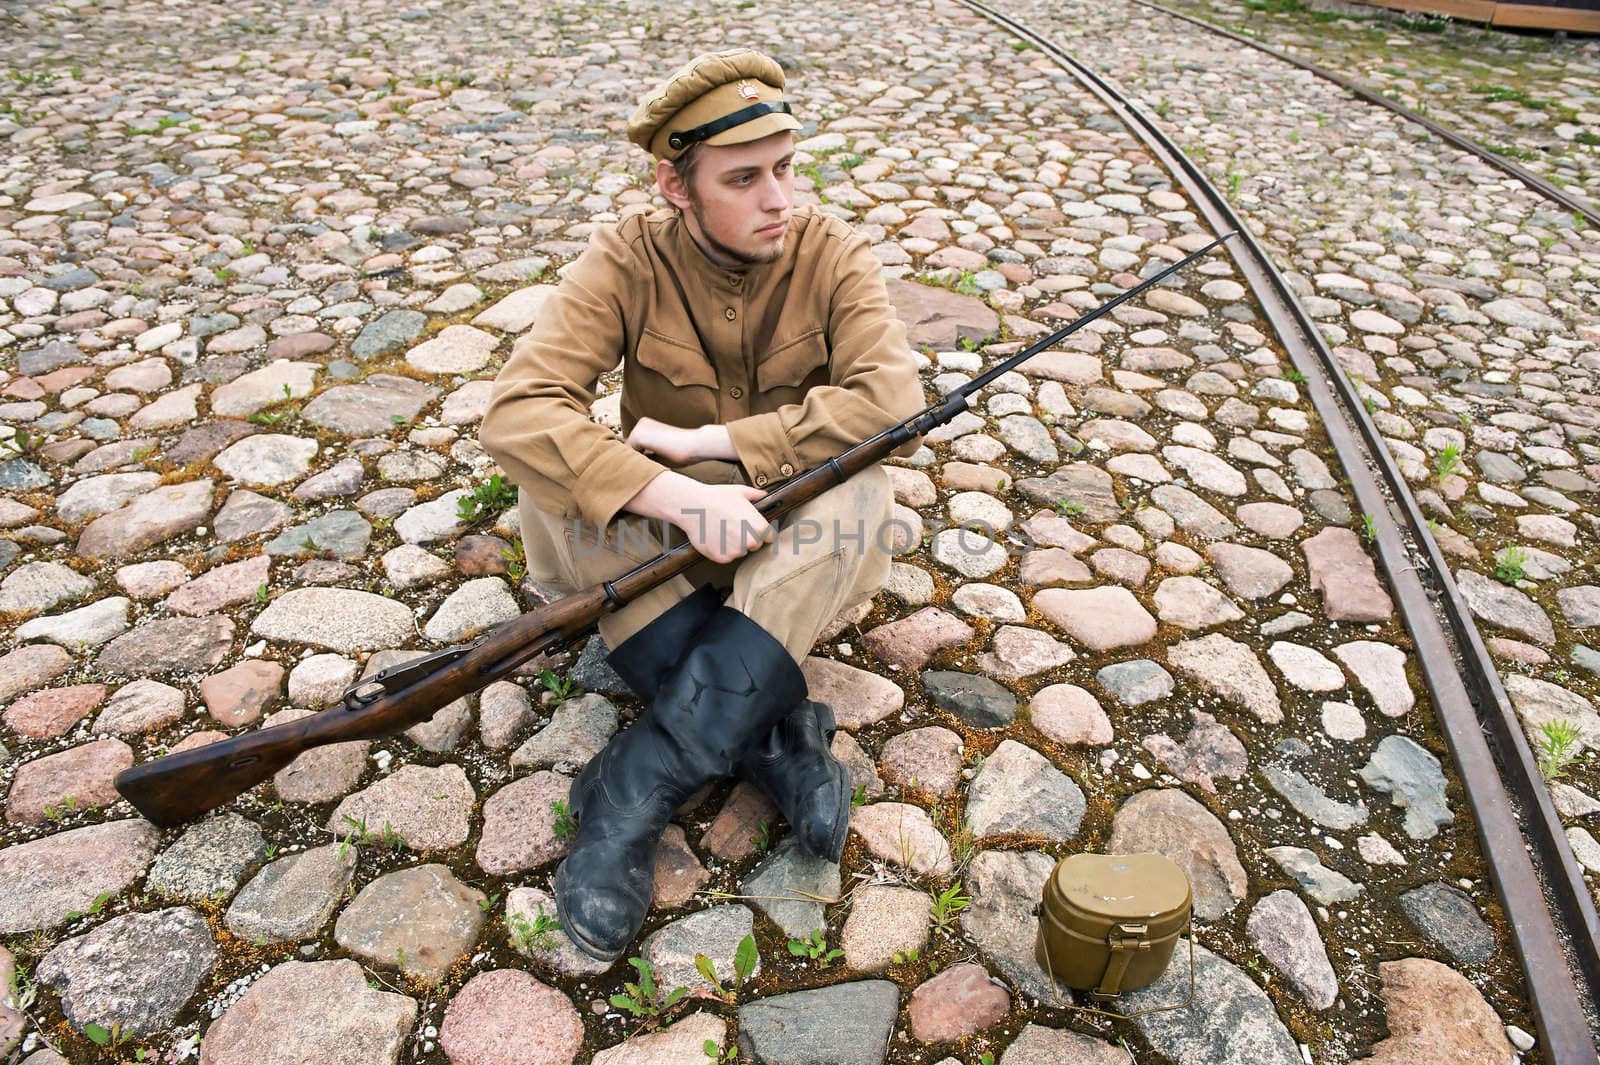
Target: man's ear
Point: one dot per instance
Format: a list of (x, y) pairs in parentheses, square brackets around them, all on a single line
[(671, 184)]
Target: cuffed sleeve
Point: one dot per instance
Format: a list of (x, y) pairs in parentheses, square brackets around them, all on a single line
[(762, 443), (538, 426)]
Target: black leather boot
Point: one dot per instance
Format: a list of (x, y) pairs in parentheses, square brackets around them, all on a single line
[(792, 765), (796, 769), (726, 694), (647, 656), (644, 659)]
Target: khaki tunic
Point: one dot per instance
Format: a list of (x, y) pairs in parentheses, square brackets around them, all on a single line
[(800, 359)]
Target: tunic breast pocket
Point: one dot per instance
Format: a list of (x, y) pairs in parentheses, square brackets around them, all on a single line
[(670, 382), (796, 364)]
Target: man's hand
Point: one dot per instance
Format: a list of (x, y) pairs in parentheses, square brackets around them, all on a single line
[(718, 519), (679, 447)]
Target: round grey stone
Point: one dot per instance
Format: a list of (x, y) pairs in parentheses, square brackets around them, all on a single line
[(978, 701), (1448, 916), (209, 859), (137, 971), (1137, 682)]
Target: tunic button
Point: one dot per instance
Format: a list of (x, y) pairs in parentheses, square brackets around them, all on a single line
[(735, 392), (730, 314), (786, 469), (761, 480)]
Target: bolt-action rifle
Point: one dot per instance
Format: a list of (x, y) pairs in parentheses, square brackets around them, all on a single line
[(181, 786)]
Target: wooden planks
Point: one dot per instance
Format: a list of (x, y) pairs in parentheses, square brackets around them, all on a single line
[(1573, 16)]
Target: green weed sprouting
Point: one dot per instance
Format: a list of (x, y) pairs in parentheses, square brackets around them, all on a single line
[(516, 559), (486, 500), (716, 1055), (535, 935), (816, 948), (560, 688), (1508, 565), (745, 957), (566, 825), (644, 1000), (1559, 743), (1447, 463), (947, 906)]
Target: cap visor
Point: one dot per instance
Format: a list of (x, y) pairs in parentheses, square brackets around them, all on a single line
[(755, 129)]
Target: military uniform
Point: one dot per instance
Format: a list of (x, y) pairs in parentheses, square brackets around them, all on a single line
[(799, 358)]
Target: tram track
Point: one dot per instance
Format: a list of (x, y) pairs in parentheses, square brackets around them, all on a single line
[(1573, 202), (1548, 907)]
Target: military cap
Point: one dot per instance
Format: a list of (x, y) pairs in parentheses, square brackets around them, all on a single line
[(719, 98)]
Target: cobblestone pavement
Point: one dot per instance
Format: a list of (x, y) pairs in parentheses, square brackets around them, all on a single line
[(1531, 97), (238, 462), (1465, 311)]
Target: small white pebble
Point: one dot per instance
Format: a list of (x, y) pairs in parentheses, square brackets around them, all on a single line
[(1519, 1038), (1140, 771)]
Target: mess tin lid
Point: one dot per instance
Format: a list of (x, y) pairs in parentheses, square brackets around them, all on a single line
[(1123, 886)]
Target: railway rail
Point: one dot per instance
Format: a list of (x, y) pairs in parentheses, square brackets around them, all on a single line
[(1548, 906), (1565, 197)]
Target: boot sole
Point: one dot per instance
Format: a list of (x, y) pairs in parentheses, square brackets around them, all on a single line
[(836, 845), (577, 940), (829, 725)]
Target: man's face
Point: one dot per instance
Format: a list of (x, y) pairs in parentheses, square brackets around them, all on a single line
[(738, 204)]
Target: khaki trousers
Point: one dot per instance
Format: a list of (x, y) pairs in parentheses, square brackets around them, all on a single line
[(829, 555)]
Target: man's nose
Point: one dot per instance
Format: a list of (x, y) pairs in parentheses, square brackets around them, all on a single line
[(774, 195)]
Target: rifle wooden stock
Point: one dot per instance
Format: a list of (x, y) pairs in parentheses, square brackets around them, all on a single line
[(178, 787)]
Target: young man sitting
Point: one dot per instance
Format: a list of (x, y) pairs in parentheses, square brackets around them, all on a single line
[(756, 341)]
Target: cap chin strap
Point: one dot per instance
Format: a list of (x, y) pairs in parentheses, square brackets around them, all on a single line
[(684, 138)]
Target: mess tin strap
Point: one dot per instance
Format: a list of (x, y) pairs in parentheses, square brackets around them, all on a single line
[(1125, 940), (1055, 991), (686, 137)]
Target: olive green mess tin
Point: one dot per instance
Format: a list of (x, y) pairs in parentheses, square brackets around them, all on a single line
[(1109, 923)]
